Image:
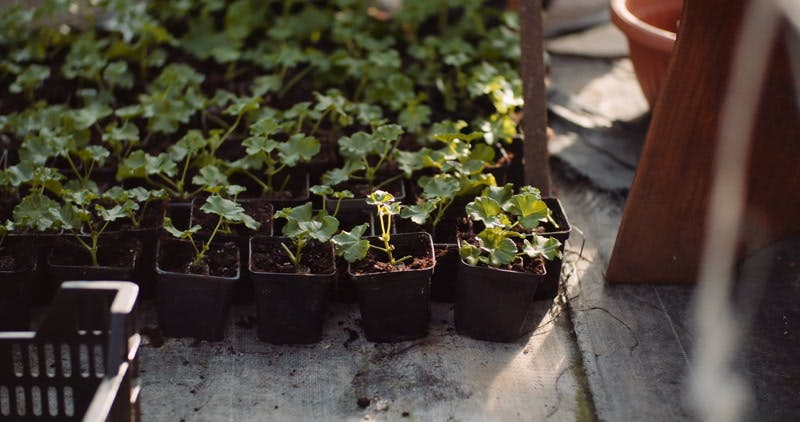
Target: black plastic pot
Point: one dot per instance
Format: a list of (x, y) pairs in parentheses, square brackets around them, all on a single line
[(443, 280), (16, 289), (190, 305), (243, 291), (144, 270), (344, 290), (60, 272), (290, 306), (40, 244), (395, 306), (360, 204), (494, 304), (548, 288), (298, 185)]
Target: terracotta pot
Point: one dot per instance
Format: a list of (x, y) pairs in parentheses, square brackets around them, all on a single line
[(651, 27)]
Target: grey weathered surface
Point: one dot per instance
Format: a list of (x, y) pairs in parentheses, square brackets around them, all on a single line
[(599, 119), (634, 361), (602, 41), (442, 377), (769, 291)]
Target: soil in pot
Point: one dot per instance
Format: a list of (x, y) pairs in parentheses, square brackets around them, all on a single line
[(260, 209), (295, 189), (496, 304), (193, 300), (395, 300), (69, 260), (19, 272), (290, 305)]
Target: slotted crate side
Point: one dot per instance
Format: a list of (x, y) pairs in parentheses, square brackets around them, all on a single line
[(83, 358)]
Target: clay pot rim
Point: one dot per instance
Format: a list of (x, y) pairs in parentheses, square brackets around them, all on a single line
[(639, 30)]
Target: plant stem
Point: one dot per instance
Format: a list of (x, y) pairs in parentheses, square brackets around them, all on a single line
[(218, 120), (292, 82), (292, 256), (207, 244), (264, 187), (338, 203)]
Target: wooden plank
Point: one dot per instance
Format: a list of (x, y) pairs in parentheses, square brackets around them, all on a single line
[(534, 121), (634, 361)]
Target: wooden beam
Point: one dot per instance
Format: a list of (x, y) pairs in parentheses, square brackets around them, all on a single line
[(663, 225), (534, 120)]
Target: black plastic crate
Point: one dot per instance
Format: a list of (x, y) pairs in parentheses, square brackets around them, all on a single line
[(81, 364)]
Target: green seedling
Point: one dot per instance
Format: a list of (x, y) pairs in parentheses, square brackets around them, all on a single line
[(162, 171), (326, 192), (353, 247), (172, 99), (37, 212), (497, 248), (134, 202), (302, 226), (83, 214), (438, 193), (267, 155), (29, 80), (500, 207), (228, 211), (364, 155)]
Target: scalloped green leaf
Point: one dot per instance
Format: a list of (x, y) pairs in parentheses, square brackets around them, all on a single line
[(350, 245)]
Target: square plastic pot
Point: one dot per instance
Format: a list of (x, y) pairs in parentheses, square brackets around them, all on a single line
[(191, 305), (16, 290), (59, 273), (443, 280), (494, 304), (290, 306), (395, 306)]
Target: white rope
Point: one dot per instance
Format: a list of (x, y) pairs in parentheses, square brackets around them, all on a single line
[(718, 392)]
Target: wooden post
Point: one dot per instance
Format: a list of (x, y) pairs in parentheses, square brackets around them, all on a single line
[(534, 120)]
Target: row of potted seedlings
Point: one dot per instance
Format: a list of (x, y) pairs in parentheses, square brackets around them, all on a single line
[(197, 270)]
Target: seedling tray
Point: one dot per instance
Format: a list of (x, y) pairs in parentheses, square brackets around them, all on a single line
[(82, 362)]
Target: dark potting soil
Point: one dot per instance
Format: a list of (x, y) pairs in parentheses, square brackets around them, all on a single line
[(261, 211), (376, 261), (16, 260), (112, 252), (221, 260), (270, 257)]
